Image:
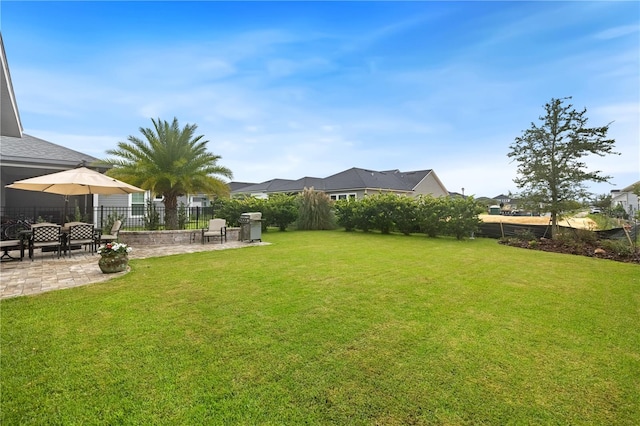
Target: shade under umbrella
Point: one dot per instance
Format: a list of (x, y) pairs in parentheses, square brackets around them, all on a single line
[(80, 181)]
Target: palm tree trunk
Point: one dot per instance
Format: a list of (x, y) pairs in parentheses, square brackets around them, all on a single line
[(170, 212)]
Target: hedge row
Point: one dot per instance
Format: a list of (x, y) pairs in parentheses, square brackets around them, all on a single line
[(388, 212), (383, 212)]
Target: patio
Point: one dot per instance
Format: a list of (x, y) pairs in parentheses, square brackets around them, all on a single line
[(47, 273)]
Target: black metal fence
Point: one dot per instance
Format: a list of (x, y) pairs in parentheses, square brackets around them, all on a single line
[(152, 218)]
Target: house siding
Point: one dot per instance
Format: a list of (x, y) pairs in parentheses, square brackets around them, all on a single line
[(430, 185), (627, 199)]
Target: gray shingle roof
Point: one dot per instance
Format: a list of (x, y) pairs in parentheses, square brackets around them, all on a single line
[(273, 185), (351, 179), (234, 186), (356, 178), (29, 150)]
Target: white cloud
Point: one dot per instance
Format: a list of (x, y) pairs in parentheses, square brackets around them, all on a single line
[(615, 32)]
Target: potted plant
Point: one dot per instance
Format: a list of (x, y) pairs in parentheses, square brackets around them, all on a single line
[(114, 257)]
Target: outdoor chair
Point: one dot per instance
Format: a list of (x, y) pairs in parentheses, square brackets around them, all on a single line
[(45, 236), (81, 234), (217, 229), (112, 235)]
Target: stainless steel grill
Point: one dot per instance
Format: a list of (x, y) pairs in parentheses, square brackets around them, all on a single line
[(251, 226)]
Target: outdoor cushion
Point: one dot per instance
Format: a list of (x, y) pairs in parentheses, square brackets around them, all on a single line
[(217, 229), (113, 234)]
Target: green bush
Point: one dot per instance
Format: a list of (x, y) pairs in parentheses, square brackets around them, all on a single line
[(405, 215), (151, 217), (390, 212), (183, 217), (231, 209), (384, 215), (346, 214), (431, 213), (620, 247), (282, 210), (111, 219), (462, 217), (577, 237), (524, 235)]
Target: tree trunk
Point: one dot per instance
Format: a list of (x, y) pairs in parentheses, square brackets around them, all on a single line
[(554, 225), (170, 212)]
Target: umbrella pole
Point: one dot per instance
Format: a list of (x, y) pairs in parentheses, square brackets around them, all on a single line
[(66, 206)]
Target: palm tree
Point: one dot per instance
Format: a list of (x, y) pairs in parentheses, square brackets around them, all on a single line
[(170, 162)]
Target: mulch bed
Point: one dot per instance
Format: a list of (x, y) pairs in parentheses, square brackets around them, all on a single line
[(589, 249)]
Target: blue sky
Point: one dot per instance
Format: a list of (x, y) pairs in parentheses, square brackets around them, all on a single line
[(294, 89)]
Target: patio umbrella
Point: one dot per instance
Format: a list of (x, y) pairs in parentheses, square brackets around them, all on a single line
[(79, 181)]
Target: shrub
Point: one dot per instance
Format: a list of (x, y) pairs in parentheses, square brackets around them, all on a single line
[(346, 213), (111, 219), (151, 217), (230, 210), (405, 215), (430, 214), (524, 235), (577, 237), (315, 210), (383, 216), (462, 217), (619, 247), (282, 210), (183, 217)]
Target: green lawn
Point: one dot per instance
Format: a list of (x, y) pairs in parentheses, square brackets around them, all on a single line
[(332, 328)]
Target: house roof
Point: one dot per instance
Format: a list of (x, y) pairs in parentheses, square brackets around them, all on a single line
[(234, 186), (29, 150), (351, 179), (273, 185), (302, 183), (10, 124), (630, 187), (356, 178)]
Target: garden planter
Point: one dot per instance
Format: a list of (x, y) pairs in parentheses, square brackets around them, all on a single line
[(113, 263)]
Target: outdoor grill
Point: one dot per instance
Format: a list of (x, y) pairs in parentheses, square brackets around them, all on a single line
[(251, 226)]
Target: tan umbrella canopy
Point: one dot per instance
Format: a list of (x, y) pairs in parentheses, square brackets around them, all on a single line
[(80, 181)]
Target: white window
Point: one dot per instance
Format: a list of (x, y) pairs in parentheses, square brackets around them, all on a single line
[(345, 196), (137, 204)]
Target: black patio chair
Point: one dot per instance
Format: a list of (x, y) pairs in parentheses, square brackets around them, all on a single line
[(81, 234), (45, 236)]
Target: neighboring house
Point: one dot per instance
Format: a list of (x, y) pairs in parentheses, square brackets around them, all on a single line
[(627, 199), (508, 204), (352, 183)]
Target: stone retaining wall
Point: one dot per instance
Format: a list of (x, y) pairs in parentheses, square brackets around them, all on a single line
[(160, 238)]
